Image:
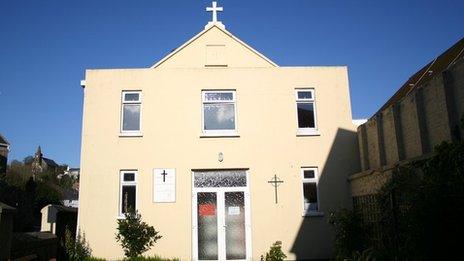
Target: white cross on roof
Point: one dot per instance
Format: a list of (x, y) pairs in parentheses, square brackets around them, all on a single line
[(214, 9)]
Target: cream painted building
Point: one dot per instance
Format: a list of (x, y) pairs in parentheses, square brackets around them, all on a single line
[(195, 141)]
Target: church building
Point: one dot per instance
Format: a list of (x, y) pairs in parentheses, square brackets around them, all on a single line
[(220, 149)]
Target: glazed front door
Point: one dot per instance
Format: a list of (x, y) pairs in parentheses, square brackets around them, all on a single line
[(221, 228)]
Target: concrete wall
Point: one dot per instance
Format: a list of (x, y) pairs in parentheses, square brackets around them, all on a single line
[(411, 128)]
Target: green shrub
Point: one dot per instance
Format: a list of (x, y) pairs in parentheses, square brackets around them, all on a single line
[(76, 248), (134, 235), (349, 233), (275, 253)]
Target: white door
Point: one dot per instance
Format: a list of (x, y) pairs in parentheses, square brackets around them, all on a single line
[(221, 227)]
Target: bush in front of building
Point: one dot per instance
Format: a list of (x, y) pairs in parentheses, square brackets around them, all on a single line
[(350, 234), (275, 253), (134, 235), (76, 248)]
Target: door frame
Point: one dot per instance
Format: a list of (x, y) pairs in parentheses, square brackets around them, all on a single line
[(221, 215)]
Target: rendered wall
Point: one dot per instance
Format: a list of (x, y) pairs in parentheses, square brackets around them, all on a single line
[(268, 145)]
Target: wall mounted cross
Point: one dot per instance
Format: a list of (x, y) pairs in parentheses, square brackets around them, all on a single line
[(275, 181)]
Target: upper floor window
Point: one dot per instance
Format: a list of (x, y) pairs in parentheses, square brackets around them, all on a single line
[(131, 105), (306, 111), (219, 112)]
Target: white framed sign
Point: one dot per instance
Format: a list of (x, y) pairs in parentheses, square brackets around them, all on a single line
[(164, 185)]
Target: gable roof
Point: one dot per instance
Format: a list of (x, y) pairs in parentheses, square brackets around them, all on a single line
[(207, 28), (50, 162)]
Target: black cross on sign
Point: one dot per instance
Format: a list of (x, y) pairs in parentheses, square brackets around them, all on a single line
[(164, 175), (275, 181)]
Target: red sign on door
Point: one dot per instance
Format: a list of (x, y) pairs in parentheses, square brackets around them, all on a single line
[(207, 209)]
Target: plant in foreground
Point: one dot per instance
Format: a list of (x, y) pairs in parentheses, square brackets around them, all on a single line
[(275, 253), (134, 235)]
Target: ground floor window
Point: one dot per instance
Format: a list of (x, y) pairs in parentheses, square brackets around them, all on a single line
[(127, 191), (310, 190)]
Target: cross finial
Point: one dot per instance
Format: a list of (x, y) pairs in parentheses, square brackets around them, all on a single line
[(214, 9)]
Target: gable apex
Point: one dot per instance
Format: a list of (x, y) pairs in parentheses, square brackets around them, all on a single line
[(264, 61)]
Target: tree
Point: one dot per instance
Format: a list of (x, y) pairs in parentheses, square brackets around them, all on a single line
[(134, 235)]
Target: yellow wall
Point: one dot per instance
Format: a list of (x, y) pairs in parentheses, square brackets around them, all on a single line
[(172, 129)]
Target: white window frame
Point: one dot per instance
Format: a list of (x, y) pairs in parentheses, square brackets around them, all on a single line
[(124, 102), (307, 211), (127, 183), (306, 131), (218, 133)]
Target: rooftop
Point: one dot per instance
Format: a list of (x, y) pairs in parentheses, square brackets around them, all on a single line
[(429, 71)]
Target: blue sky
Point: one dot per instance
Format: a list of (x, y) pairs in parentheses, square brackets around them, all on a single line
[(45, 47)]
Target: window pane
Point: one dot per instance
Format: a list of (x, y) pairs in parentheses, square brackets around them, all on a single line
[(308, 174), (128, 198), (219, 96), (219, 116), (235, 225), (129, 177), (310, 196), (305, 95), (131, 117), (131, 96), (305, 115), (207, 226), (223, 178)]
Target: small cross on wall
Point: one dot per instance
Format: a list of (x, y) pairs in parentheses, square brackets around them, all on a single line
[(214, 9), (275, 181)]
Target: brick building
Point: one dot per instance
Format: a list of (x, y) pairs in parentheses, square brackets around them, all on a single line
[(424, 112)]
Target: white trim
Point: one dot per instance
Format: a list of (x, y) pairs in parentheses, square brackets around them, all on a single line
[(127, 183), (308, 212), (219, 133), (130, 133), (220, 215), (203, 32), (306, 131)]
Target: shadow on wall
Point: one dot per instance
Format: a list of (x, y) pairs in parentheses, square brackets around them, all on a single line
[(314, 240)]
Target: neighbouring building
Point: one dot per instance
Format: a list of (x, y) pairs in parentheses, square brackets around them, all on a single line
[(424, 112), (70, 196), (41, 164), (4, 149), (220, 149)]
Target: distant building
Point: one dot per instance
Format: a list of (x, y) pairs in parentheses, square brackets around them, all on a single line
[(71, 172), (4, 149), (71, 195), (41, 164)]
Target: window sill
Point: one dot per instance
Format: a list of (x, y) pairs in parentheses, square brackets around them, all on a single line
[(134, 134), (302, 133), (220, 135), (313, 214)]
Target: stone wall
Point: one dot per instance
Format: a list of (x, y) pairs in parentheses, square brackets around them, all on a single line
[(410, 128)]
